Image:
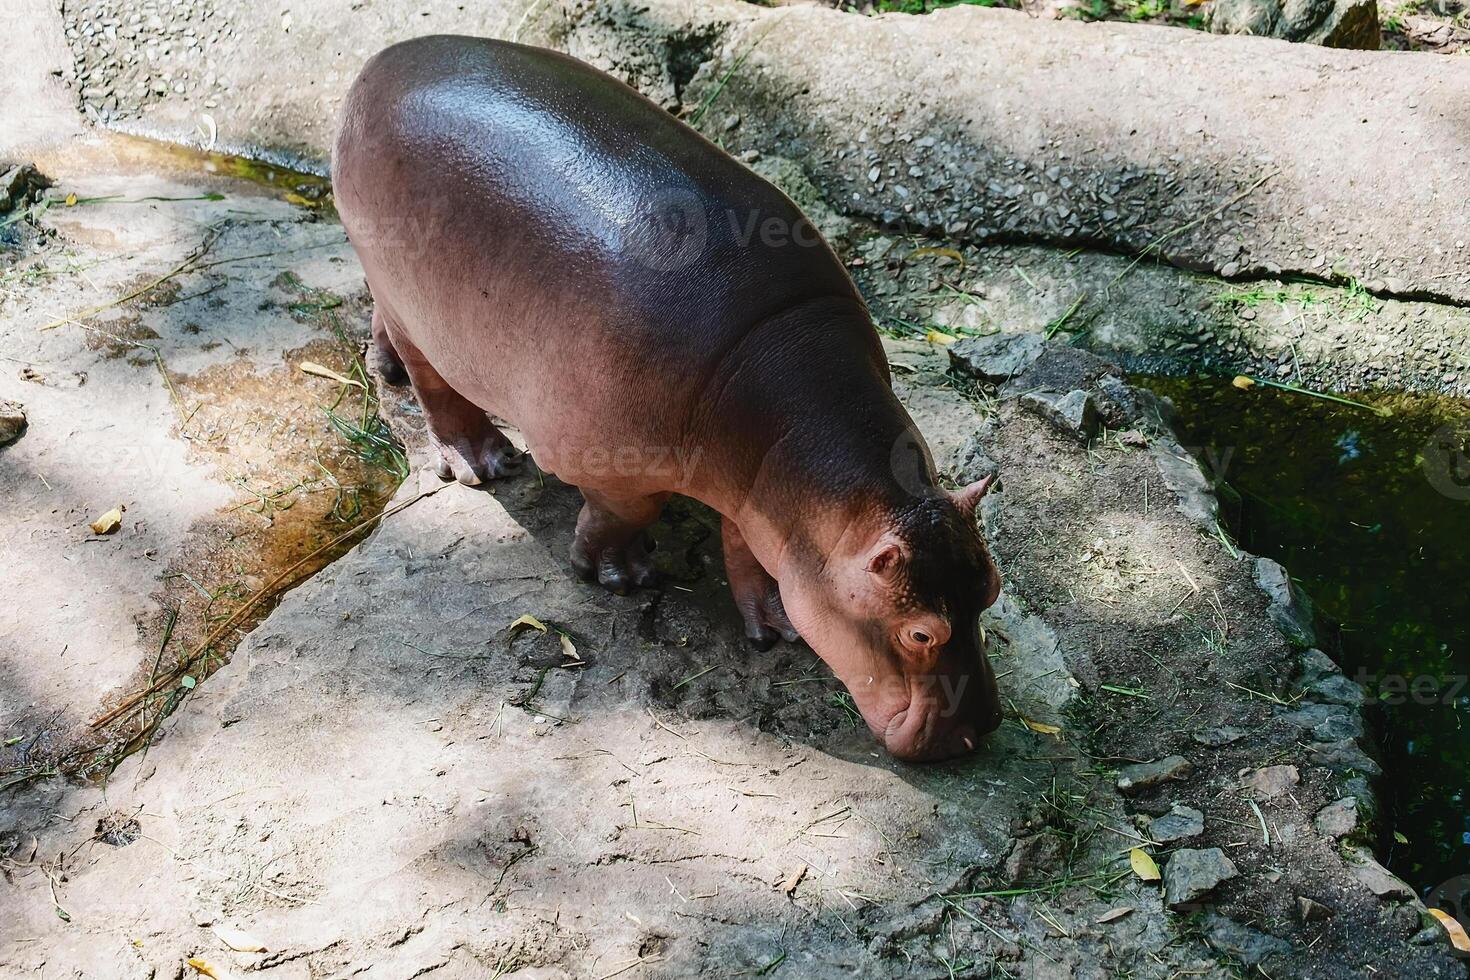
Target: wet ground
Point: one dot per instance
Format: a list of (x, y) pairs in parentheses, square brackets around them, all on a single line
[(1371, 514), (160, 305)]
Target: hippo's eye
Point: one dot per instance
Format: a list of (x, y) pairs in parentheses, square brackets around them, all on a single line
[(921, 637)]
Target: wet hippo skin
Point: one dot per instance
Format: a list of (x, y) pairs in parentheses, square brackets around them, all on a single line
[(546, 246)]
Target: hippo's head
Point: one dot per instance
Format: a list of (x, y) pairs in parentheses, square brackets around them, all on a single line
[(896, 614)]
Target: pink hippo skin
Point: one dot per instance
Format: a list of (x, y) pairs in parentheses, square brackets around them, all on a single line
[(545, 245)]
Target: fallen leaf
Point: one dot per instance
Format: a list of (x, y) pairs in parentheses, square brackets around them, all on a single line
[(109, 521), (948, 253), (1242, 382), (1143, 865), (312, 367), (1041, 727), (789, 883), (205, 970), (187, 682), (568, 648), (239, 940), (71, 200), (1458, 938), (1112, 915), (527, 622), (939, 337)]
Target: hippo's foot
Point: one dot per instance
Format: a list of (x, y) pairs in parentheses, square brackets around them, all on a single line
[(472, 457), (756, 593), (389, 367), (610, 546), (386, 360), (765, 618)]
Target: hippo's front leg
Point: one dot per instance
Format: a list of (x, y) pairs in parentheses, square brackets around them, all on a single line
[(756, 594)]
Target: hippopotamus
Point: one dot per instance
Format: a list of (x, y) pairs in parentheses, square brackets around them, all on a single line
[(546, 247)]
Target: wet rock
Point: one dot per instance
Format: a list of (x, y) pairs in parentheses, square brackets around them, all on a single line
[(1197, 500), (1192, 874), (1377, 879), (1312, 911), (12, 421), (1180, 823), (1145, 775), (1338, 689), (1345, 756), (1218, 735), (996, 358), (1289, 607), (1316, 665), (1331, 23), (1339, 818), (1272, 781), (1075, 413), (1327, 722), (1249, 946)]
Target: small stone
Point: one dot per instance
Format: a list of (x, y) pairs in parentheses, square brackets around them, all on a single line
[(1272, 781), (1191, 874), (1345, 756), (1289, 608), (1145, 775), (1338, 689), (12, 421), (1218, 736), (1311, 911), (1339, 818), (1376, 878), (1328, 722), (1076, 413), (996, 358), (1180, 823), (1249, 946)]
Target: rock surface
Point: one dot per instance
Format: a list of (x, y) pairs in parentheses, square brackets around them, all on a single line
[(1334, 23), (997, 358), (1191, 874), (1290, 609), (1147, 775), (1074, 413), (1180, 823), (1337, 819), (12, 421), (1272, 781)]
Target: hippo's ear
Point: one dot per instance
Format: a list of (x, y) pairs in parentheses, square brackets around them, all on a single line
[(887, 559), (969, 498)]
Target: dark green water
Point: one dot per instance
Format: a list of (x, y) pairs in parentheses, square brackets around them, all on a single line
[(1372, 516)]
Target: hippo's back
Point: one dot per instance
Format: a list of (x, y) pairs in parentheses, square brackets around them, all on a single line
[(538, 201)]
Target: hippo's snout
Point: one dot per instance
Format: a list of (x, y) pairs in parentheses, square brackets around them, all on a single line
[(947, 715)]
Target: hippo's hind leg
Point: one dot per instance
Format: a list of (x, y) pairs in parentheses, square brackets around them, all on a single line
[(385, 356), (610, 545), (756, 594), (468, 446)]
